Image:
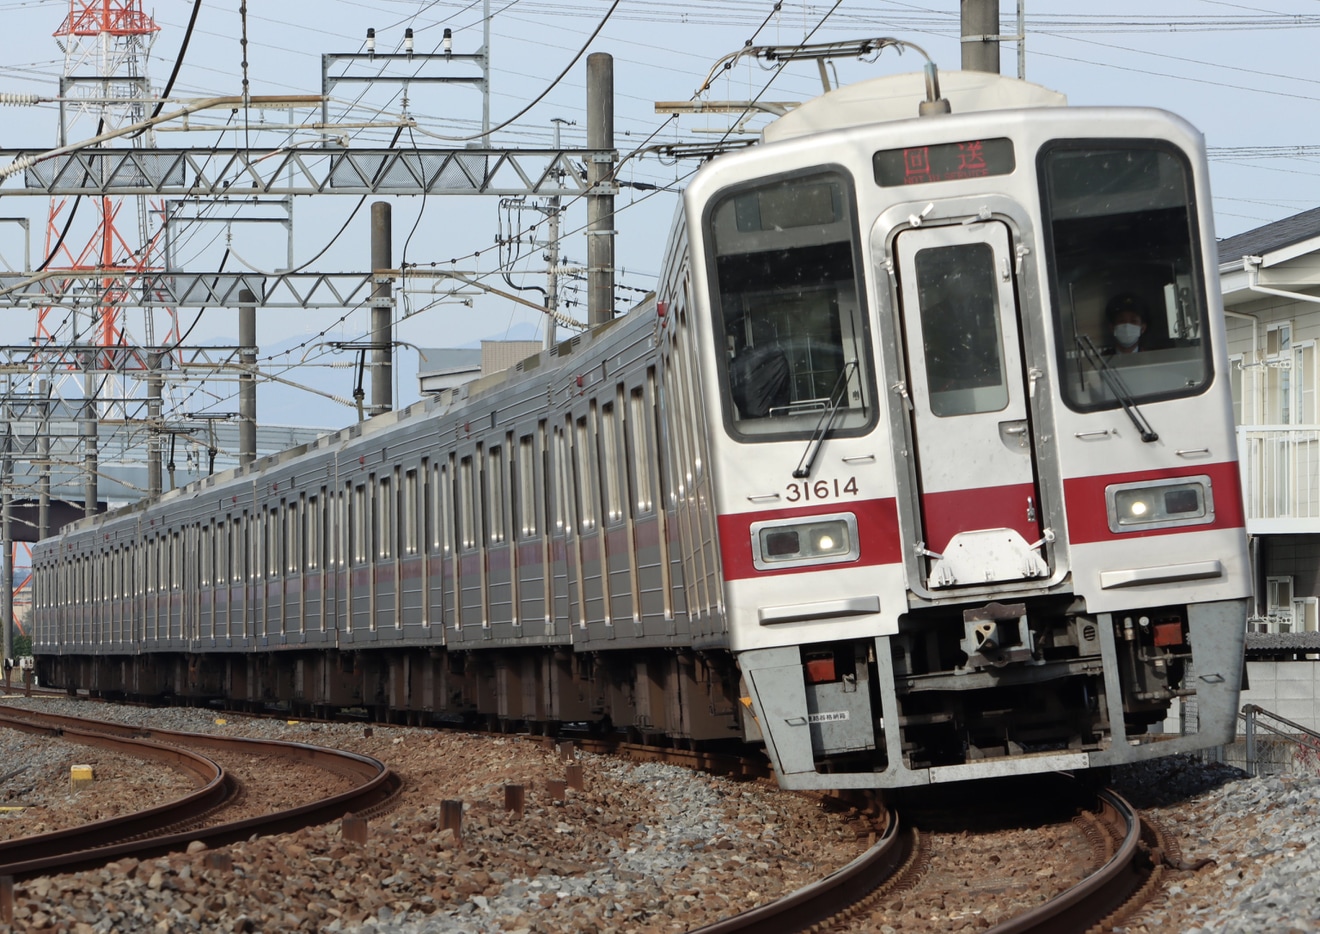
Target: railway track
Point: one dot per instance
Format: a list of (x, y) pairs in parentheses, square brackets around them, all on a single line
[(198, 816), (1131, 854), (1127, 854)]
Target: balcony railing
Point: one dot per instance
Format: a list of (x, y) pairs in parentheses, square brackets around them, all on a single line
[(1280, 467)]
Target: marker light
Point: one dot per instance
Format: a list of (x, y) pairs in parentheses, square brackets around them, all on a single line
[(1159, 504), (787, 543)]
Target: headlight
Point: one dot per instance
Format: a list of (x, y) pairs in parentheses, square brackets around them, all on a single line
[(1159, 504), (786, 543)]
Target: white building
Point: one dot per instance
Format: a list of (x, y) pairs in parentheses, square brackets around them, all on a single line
[(1271, 284)]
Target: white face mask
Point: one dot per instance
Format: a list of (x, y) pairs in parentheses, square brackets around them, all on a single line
[(1127, 334)]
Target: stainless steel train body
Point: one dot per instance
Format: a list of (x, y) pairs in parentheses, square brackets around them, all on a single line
[(862, 481)]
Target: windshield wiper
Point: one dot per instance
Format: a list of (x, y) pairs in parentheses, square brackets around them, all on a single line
[(826, 422), (1116, 386)]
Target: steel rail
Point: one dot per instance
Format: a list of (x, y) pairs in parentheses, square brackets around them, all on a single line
[(377, 788), (825, 899), (1102, 892), (215, 787)]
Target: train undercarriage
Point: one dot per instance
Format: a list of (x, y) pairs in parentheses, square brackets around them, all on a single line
[(995, 692), (662, 697)]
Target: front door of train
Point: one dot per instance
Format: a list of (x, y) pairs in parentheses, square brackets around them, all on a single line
[(978, 504)]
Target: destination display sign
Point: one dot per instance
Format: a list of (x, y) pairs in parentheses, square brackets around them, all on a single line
[(944, 162)]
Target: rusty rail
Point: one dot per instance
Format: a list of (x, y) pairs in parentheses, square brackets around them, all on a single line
[(1105, 891), (155, 831), (215, 787), (825, 899)]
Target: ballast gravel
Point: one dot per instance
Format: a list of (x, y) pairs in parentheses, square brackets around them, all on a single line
[(641, 848), (1261, 834)]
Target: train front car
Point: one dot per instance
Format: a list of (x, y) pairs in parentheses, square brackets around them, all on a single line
[(972, 521)]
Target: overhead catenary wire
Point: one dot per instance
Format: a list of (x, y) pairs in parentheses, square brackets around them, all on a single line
[(745, 12)]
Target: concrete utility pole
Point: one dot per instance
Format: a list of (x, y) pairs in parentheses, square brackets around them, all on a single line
[(600, 189), (552, 254), (43, 457), (980, 35), (247, 380), (7, 539), (155, 387), (382, 311), (90, 421)]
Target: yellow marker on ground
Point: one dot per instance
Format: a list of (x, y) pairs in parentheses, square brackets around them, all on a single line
[(79, 775)]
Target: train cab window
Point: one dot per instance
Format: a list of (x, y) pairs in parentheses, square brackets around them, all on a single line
[(788, 307), (1126, 278)]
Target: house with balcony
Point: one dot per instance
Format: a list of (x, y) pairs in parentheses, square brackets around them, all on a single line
[(1270, 278)]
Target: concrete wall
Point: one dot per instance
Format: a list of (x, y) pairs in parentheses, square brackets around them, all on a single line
[(1288, 689)]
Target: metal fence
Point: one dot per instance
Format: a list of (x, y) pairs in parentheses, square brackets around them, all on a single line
[(1271, 745)]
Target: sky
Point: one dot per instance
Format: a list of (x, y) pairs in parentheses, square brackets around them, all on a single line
[(1245, 73)]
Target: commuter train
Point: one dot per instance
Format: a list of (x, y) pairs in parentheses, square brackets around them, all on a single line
[(919, 466)]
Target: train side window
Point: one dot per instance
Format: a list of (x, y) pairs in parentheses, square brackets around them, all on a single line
[(275, 541), (444, 505), (220, 554), (525, 469), (314, 533), (343, 502), (496, 501), (1126, 277), (357, 534), (383, 509), (640, 450), (408, 514), (584, 457), (295, 535), (430, 506), (561, 480), (609, 455), (788, 307), (467, 519)]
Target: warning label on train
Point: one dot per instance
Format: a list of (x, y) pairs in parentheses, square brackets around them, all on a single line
[(827, 717)]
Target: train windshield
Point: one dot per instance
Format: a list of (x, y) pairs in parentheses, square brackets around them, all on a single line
[(788, 308), (1126, 277)]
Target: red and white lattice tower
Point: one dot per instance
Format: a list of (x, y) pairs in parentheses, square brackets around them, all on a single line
[(104, 88)]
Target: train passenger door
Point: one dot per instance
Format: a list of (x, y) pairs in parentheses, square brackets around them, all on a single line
[(976, 472)]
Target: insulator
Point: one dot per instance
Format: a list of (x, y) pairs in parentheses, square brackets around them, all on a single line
[(19, 100)]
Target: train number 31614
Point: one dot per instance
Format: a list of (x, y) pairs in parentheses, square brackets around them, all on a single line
[(808, 490)]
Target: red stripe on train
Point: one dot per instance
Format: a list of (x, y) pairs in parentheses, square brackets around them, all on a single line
[(877, 533), (1088, 520), (996, 507)]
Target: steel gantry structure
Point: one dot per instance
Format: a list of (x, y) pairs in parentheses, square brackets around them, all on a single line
[(51, 437)]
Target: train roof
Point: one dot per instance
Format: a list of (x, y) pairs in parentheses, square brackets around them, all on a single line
[(896, 97), (443, 402)]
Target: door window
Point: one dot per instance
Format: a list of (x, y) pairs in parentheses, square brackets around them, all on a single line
[(962, 342)]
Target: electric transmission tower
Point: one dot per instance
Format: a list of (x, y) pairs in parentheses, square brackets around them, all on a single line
[(95, 344)]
